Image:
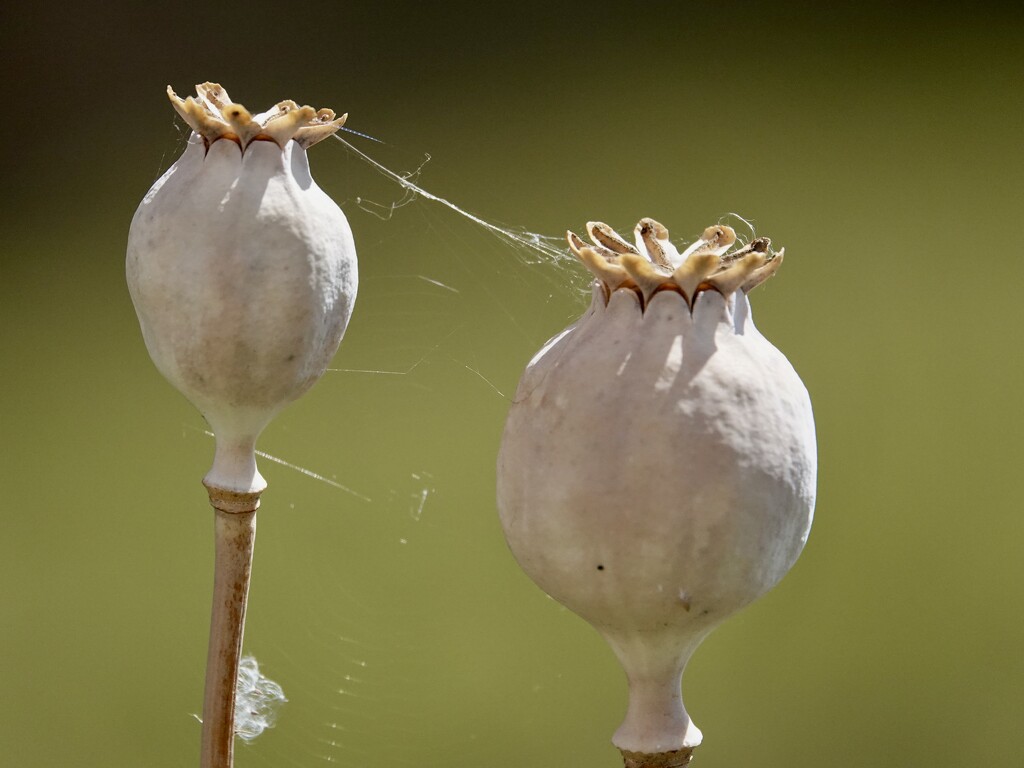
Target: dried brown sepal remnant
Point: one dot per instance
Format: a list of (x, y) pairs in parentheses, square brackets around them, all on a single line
[(675, 759), (212, 115), (655, 265)]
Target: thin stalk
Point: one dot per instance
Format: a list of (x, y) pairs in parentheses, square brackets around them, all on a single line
[(675, 759), (235, 534)]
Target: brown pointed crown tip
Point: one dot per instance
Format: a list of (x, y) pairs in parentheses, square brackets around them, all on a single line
[(654, 264), (213, 115)]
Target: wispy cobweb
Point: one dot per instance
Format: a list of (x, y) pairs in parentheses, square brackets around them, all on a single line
[(259, 699), (548, 249)]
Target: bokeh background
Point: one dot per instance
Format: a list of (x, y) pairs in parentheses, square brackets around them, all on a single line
[(881, 145)]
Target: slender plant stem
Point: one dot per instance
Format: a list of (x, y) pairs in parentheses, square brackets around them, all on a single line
[(675, 759), (235, 534)]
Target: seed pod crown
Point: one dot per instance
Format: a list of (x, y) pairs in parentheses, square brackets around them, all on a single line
[(213, 115), (654, 264)]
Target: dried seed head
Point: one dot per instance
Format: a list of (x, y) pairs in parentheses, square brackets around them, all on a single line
[(242, 271), (657, 470)]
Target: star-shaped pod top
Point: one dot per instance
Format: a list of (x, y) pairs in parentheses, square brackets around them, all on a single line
[(654, 264), (213, 115)]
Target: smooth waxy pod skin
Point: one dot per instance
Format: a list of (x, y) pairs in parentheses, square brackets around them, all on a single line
[(657, 470), (243, 272)]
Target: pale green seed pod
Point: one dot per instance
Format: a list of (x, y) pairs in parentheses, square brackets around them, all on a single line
[(657, 470), (242, 270)]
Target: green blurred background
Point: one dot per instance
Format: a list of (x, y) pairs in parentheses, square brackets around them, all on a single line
[(881, 146)]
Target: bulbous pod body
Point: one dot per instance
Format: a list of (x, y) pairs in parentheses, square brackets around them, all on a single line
[(242, 270), (657, 469)]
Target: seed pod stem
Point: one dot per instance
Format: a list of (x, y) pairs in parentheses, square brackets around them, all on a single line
[(234, 535), (676, 759)]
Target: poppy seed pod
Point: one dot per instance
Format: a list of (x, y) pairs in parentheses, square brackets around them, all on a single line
[(657, 470), (242, 270)]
